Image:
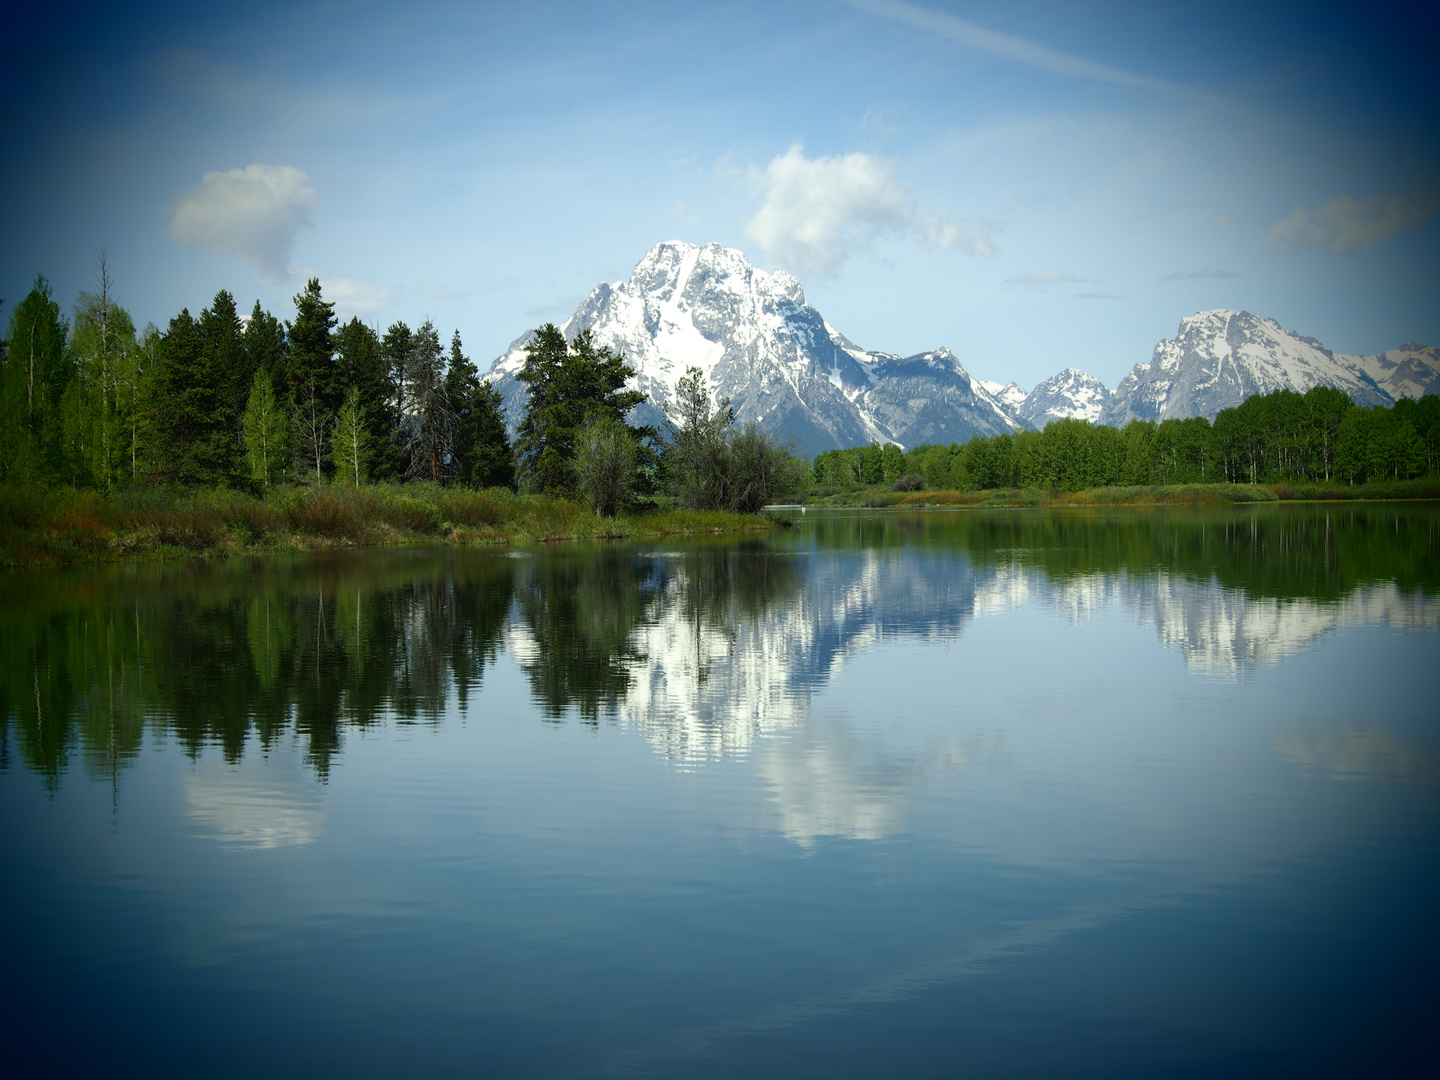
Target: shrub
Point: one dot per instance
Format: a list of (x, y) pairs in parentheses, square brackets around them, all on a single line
[(910, 482)]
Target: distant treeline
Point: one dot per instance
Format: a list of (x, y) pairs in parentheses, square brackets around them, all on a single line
[(215, 401), (1280, 437)]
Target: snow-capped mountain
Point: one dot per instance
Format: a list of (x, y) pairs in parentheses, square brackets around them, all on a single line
[(1412, 371), (788, 370), (1010, 395), (761, 345), (1220, 358), (1072, 393)]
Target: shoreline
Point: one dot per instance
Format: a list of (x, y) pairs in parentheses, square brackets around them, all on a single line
[(64, 527), (879, 498)]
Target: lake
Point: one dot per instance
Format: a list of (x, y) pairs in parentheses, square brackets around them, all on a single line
[(1004, 793)]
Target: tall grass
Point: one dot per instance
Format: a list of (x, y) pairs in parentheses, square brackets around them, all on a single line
[(62, 525)]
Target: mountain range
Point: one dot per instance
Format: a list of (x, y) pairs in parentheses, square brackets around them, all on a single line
[(788, 370)]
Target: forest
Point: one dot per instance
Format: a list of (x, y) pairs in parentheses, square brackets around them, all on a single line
[(258, 405), (1281, 437)]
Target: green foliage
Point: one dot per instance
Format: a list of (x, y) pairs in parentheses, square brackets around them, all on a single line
[(267, 432), (350, 444), (429, 428), (696, 461), (312, 367), (193, 419), (568, 385), (480, 453), (33, 377), (606, 455), (363, 365)]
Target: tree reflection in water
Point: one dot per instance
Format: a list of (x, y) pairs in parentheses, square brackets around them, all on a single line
[(703, 648)]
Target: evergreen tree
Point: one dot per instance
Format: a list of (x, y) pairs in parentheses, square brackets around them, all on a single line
[(350, 443), (33, 378), (696, 463), (481, 454), (429, 417), (190, 415), (266, 431), (225, 360), (312, 350), (363, 365), (568, 387), (266, 349), (395, 348)]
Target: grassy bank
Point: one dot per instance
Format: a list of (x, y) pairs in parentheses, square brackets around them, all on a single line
[(48, 527), (1174, 494)]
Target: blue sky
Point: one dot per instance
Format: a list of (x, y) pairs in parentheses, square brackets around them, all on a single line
[(1034, 185)]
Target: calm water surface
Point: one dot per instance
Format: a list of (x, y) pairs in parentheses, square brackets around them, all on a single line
[(989, 794)]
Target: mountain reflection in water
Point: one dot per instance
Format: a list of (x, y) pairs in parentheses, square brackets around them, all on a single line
[(704, 649)]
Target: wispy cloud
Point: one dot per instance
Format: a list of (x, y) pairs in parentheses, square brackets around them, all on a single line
[(1021, 50), (1343, 224), (1097, 296), (352, 297), (255, 213), (819, 211), (1200, 275)]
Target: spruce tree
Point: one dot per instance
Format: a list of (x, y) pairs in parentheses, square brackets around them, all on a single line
[(266, 348), (312, 349), (33, 379), (569, 386), (429, 420), (481, 455), (364, 366)]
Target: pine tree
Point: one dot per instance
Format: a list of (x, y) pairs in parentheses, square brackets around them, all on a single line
[(429, 420), (193, 415), (33, 379), (312, 349), (364, 366), (266, 347), (568, 387), (481, 455)]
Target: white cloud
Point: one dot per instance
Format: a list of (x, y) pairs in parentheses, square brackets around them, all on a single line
[(1344, 224), (818, 212), (356, 297), (254, 212)]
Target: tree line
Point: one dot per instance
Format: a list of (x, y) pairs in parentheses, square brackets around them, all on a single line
[(1280, 437), (215, 400)]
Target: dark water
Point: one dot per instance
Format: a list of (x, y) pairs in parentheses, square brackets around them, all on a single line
[(987, 794)]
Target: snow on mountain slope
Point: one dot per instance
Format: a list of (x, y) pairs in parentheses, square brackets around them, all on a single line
[(1008, 394), (1412, 371), (786, 369), (1071, 393), (749, 331), (761, 345), (1220, 358)]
